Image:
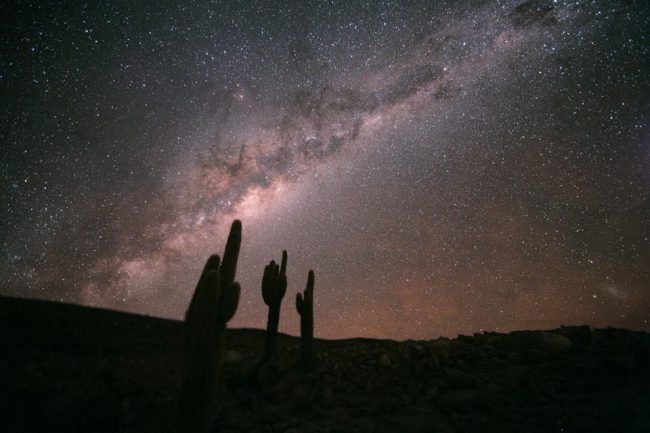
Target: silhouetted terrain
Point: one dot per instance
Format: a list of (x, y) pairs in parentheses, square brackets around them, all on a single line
[(70, 368)]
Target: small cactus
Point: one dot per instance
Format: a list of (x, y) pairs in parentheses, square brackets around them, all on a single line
[(305, 307), (274, 286), (213, 304)]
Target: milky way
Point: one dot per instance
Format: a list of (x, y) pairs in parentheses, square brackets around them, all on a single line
[(444, 168)]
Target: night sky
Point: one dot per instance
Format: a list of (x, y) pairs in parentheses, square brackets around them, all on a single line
[(444, 168)]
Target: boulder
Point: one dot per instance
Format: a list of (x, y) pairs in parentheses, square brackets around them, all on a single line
[(544, 340), (301, 396)]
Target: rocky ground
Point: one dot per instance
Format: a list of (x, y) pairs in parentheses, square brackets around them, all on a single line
[(73, 369)]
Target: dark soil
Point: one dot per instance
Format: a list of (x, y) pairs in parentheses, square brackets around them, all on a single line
[(66, 368)]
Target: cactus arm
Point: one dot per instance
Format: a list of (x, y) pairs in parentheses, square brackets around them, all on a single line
[(299, 303), (305, 307), (274, 287), (283, 267), (267, 283), (231, 254), (211, 265)]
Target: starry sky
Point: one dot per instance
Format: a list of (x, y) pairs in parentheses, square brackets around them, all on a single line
[(444, 167)]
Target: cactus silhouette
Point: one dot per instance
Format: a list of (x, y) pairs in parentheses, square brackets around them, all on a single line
[(274, 286), (305, 307), (213, 304)]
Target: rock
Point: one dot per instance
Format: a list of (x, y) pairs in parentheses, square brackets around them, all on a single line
[(414, 351), (459, 398), (301, 396), (328, 395), (59, 410), (555, 342), (533, 355), (232, 356), (242, 373), (125, 411), (432, 392), (493, 387), (544, 340), (414, 423), (582, 335), (441, 349), (624, 361), (460, 379), (444, 427), (268, 413), (385, 361), (512, 356), (281, 389), (268, 374)]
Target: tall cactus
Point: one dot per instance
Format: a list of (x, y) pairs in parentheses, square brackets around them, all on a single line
[(274, 286), (213, 304), (305, 307)]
